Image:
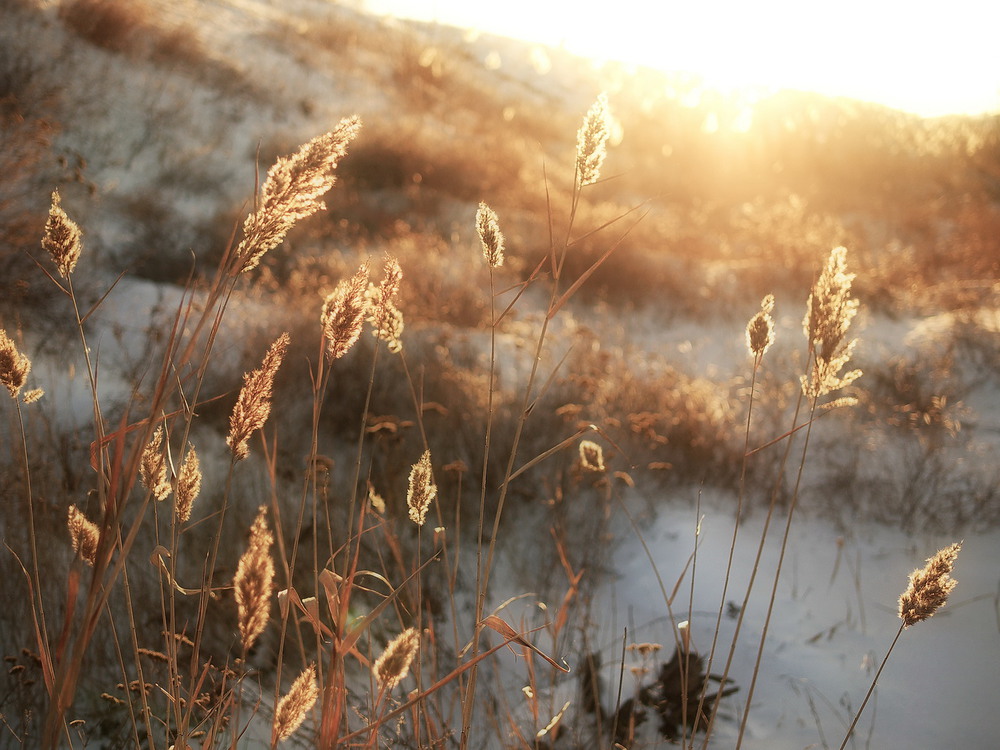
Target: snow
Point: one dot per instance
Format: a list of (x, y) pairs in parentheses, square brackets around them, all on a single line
[(831, 626)]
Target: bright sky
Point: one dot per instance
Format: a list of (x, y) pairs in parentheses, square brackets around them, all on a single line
[(926, 57)]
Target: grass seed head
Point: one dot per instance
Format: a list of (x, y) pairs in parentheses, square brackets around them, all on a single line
[(387, 319), (254, 402), (929, 587), (62, 238), (153, 467), (490, 235), (343, 314), (422, 490), (83, 535), (394, 663), (294, 706), (188, 485), (591, 456), (829, 313), (292, 192), (592, 142), (254, 582), (760, 329), (14, 366)]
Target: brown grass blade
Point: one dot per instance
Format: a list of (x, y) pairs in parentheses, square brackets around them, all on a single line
[(558, 305), (512, 636)]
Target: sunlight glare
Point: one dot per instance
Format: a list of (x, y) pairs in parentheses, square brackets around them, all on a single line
[(929, 60)]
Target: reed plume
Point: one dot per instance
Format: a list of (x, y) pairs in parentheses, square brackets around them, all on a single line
[(387, 319), (292, 190), (592, 141), (294, 706), (376, 500), (254, 582), (488, 226), (343, 314), (14, 366), (829, 313), (591, 456), (62, 238), (422, 490), (188, 485), (84, 535), (926, 593), (254, 402), (394, 663), (760, 329), (33, 395), (153, 467), (929, 587)]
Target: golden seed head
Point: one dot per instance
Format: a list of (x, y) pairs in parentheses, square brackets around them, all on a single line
[(829, 313), (760, 329), (386, 319), (591, 142), (188, 485), (62, 238), (344, 314), (292, 191), (394, 663), (153, 467), (644, 649), (490, 235), (33, 395), (929, 587), (14, 366), (254, 582), (83, 535), (376, 500), (254, 402), (293, 707), (591, 456), (422, 490)]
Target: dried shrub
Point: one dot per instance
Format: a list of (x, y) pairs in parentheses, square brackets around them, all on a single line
[(108, 24)]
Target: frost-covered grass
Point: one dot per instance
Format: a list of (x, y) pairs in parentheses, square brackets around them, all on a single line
[(605, 326)]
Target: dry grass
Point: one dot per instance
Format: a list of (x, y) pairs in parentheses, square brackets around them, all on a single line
[(524, 425)]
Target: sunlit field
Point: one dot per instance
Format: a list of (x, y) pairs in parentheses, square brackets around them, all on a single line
[(369, 383)]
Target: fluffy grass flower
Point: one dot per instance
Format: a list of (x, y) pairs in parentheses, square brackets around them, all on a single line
[(760, 329), (929, 587), (254, 582), (83, 535), (188, 485), (829, 313), (343, 314), (294, 706), (254, 402), (292, 190), (591, 456), (153, 467), (387, 319), (488, 227), (422, 490), (592, 142), (14, 366), (394, 663), (62, 239)]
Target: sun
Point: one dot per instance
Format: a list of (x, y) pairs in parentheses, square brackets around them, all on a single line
[(928, 60)]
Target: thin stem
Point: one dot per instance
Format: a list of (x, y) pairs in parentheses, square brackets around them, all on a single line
[(777, 576), (732, 546), (871, 688)]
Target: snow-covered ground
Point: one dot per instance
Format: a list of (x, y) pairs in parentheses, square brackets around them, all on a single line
[(834, 617)]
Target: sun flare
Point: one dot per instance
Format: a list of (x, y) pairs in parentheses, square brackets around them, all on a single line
[(892, 53)]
